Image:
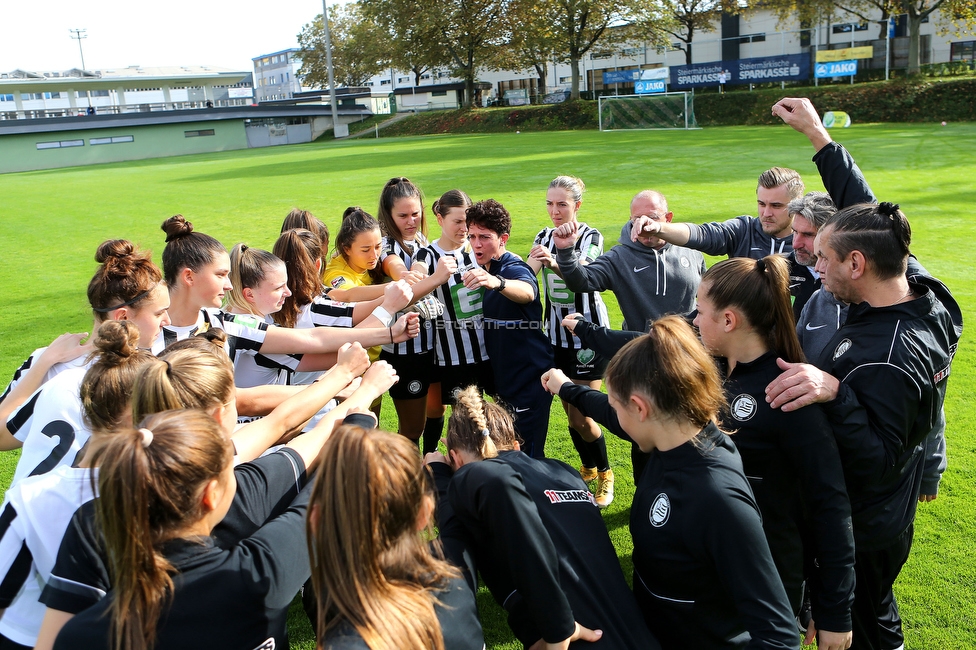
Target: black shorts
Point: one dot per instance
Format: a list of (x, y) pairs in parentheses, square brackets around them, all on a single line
[(455, 378), (415, 372), (583, 364)]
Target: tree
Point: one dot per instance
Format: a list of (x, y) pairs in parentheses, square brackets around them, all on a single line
[(961, 13), (533, 41), (578, 25), (656, 19), (469, 32), (359, 48), (410, 31)]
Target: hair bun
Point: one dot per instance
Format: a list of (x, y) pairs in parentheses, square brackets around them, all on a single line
[(113, 248), (119, 338), (175, 227), (888, 209)]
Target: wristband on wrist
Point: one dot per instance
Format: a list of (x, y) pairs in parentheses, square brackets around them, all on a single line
[(384, 316), (391, 334), (501, 284)]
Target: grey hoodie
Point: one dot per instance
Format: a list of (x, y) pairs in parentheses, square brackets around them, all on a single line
[(739, 237), (648, 282)]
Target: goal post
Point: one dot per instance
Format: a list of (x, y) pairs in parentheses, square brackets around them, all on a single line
[(658, 111)]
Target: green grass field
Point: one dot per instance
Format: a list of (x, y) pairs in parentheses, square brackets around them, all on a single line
[(52, 221)]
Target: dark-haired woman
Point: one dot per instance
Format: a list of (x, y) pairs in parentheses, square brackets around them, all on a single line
[(382, 586), (126, 286), (519, 350), (703, 574), (38, 508), (790, 457), (536, 534), (197, 268), (461, 358)]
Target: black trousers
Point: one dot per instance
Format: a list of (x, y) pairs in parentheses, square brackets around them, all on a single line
[(877, 624)]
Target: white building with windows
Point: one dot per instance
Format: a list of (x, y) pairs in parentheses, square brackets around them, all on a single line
[(30, 94), (276, 75)]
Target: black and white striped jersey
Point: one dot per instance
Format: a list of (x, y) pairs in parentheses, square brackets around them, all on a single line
[(245, 336), (321, 312), (50, 374), (560, 301), (425, 341), (460, 333), (33, 520), (50, 425)]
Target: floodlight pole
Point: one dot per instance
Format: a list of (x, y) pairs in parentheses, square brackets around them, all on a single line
[(78, 35), (328, 65)]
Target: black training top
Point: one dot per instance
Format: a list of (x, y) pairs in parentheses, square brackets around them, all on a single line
[(786, 456), (703, 574), (265, 487), (543, 550), (457, 612), (893, 364), (222, 598)]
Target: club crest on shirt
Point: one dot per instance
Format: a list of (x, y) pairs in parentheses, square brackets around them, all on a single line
[(744, 407), (267, 645), (414, 386), (841, 348), (683, 261), (585, 356), (660, 510)]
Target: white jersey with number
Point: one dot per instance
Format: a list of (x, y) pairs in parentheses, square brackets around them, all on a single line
[(560, 301), (460, 331), (50, 425), (33, 521), (52, 372)]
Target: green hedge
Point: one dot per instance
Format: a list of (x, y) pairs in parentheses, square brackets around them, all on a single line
[(554, 117), (911, 100), (895, 101)]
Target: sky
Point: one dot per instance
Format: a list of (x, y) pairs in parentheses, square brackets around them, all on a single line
[(135, 32)]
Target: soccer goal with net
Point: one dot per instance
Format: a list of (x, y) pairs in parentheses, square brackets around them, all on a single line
[(660, 111)]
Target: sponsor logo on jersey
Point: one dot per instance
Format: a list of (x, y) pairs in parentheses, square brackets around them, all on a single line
[(337, 282), (522, 410), (247, 320), (660, 510), (811, 328), (414, 386), (942, 374), (585, 356), (744, 407), (638, 270), (683, 261), (841, 348), (570, 496), (267, 645)]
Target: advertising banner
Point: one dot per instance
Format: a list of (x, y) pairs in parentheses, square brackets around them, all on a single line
[(650, 87), (836, 69), (846, 54), (655, 73), (762, 69), (620, 76)]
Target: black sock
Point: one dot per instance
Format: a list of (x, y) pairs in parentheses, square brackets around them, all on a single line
[(433, 430), (598, 451), (582, 448)]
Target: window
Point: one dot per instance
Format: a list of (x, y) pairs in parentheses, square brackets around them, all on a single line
[(384, 82), (6, 98), (197, 134), (962, 51), (425, 76), (403, 80), (63, 144), (439, 93), (847, 28), (116, 139), (752, 38)]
